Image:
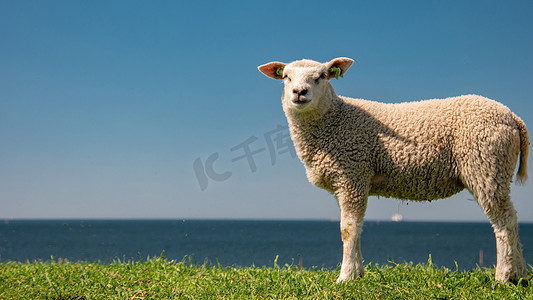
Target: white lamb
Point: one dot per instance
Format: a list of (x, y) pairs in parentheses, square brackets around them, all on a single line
[(419, 151)]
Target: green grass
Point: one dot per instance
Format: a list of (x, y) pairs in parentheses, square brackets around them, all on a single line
[(159, 278)]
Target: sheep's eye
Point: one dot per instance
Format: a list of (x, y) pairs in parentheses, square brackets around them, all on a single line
[(286, 77), (322, 76)]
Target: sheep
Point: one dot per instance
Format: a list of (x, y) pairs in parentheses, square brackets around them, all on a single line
[(419, 151)]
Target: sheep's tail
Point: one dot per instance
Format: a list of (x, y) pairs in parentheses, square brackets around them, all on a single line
[(521, 175)]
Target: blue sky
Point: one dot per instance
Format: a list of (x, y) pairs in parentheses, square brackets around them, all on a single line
[(107, 106)]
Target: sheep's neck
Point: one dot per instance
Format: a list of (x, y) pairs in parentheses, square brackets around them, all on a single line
[(308, 131)]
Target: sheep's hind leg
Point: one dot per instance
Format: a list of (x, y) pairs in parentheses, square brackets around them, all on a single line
[(510, 265), (352, 214)]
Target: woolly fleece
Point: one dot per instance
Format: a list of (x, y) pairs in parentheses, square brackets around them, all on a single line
[(418, 151)]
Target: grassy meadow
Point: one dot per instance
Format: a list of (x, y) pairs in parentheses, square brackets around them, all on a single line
[(159, 278)]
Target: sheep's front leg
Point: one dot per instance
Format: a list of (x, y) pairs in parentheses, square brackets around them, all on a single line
[(352, 214)]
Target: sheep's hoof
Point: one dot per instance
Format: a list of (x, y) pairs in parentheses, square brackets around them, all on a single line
[(510, 274), (517, 280), (345, 277), (343, 280), (349, 277)]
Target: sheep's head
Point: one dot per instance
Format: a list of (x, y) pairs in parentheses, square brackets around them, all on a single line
[(306, 82)]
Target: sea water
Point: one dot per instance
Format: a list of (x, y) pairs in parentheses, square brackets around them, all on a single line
[(252, 243)]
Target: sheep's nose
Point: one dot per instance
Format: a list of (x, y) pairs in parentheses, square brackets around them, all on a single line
[(300, 92)]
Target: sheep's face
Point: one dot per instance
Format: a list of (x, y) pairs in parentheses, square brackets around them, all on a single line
[(306, 82)]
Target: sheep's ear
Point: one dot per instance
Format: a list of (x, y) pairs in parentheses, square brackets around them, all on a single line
[(273, 69), (338, 66)]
